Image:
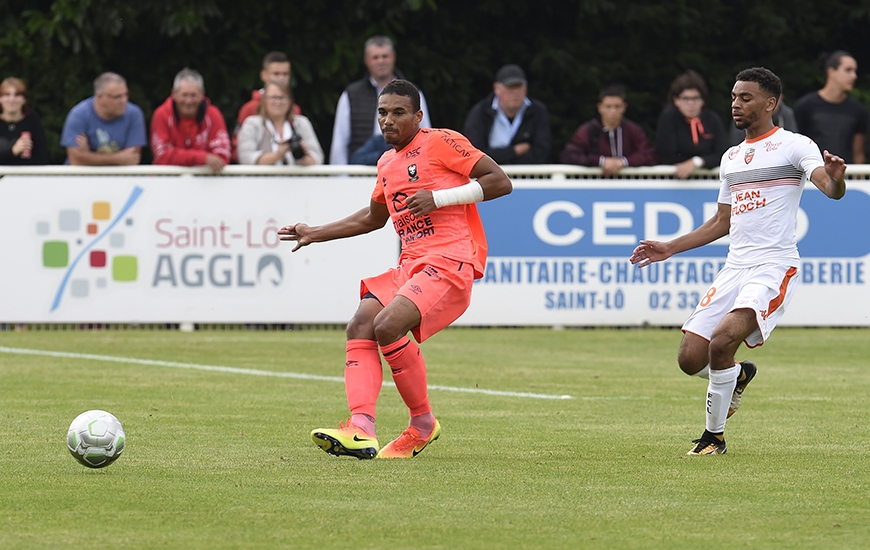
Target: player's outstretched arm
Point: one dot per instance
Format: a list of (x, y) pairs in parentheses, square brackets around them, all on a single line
[(830, 179), (716, 227), (363, 221)]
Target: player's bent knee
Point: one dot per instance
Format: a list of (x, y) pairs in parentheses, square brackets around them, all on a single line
[(691, 367), (389, 328), (386, 332), (723, 345), (394, 321), (693, 355), (360, 326), (357, 331)]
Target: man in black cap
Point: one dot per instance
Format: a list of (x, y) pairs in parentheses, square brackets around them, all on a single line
[(508, 125)]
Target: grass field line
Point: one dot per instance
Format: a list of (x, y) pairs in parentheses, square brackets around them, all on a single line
[(256, 372)]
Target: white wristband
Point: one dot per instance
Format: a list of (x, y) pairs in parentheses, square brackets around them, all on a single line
[(464, 194)]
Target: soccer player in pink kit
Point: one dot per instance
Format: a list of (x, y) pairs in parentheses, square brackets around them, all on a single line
[(761, 184), (423, 186)]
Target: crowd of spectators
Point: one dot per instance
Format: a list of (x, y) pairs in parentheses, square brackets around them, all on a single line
[(507, 124)]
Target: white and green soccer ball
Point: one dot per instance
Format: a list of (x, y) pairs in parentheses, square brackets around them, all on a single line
[(96, 438)]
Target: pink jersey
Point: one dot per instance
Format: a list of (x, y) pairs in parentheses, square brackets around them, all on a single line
[(434, 159)]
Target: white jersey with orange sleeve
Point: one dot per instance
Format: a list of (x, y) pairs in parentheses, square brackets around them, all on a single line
[(762, 179)]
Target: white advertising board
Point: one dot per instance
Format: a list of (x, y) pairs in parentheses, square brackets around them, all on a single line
[(187, 248), (181, 249)]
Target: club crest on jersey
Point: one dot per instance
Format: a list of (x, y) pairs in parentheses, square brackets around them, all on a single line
[(750, 153), (412, 173)]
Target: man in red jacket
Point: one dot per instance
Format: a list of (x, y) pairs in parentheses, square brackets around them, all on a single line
[(187, 130), (609, 141)]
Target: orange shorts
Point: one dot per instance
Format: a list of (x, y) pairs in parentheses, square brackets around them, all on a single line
[(438, 286)]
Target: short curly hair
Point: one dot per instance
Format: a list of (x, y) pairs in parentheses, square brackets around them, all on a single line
[(403, 88), (766, 80)]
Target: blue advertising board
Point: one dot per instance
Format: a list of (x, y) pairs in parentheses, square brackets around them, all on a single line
[(558, 255)]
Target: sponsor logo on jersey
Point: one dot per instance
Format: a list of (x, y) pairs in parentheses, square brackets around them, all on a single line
[(732, 153), (399, 201), (455, 145)]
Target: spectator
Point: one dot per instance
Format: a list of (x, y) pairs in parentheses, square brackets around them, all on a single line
[(356, 115), (187, 130), (268, 137), (609, 140), (783, 116), (22, 137), (276, 68), (507, 125), (370, 151), (832, 118), (105, 129), (689, 135)]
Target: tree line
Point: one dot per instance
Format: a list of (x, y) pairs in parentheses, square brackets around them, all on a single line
[(450, 48)]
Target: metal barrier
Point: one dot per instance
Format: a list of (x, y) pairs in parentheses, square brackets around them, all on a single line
[(531, 171)]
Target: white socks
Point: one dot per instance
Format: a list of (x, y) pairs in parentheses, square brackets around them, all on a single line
[(719, 392)]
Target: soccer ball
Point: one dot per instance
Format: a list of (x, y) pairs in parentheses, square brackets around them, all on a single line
[(96, 438)]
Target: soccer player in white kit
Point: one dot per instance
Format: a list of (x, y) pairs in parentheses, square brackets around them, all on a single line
[(761, 184)]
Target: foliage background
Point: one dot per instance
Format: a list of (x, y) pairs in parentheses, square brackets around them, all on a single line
[(450, 48)]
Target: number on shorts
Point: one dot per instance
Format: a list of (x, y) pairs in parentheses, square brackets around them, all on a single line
[(705, 301)]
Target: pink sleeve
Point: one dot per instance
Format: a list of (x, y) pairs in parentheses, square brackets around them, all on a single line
[(453, 151)]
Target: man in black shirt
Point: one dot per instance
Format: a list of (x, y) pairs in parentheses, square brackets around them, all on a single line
[(832, 118)]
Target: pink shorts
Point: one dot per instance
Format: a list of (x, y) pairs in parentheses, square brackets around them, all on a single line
[(438, 286)]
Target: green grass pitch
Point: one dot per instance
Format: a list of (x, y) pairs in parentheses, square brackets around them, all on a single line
[(223, 458)]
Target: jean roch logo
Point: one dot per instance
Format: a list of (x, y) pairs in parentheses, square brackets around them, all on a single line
[(84, 234)]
